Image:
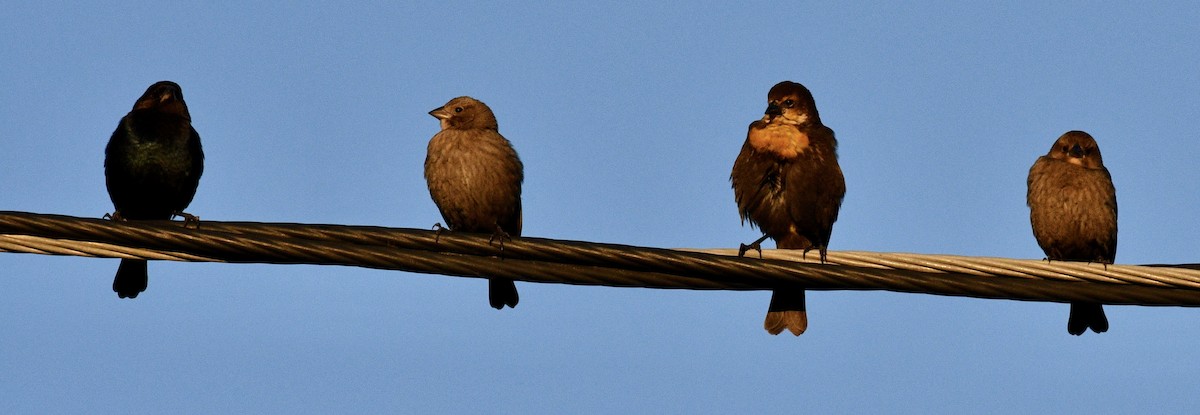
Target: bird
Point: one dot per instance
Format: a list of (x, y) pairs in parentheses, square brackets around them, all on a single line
[(474, 177), (1073, 210), (786, 181), (152, 167)]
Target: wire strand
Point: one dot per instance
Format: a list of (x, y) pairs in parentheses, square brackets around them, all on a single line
[(588, 263)]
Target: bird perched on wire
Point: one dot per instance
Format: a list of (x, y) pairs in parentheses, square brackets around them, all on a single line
[(475, 177), (152, 167), (1073, 210), (787, 182)]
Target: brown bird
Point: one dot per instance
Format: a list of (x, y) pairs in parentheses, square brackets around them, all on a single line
[(1073, 209), (152, 167), (787, 181), (474, 177)]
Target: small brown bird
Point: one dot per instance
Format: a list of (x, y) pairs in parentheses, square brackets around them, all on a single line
[(1073, 209), (787, 181), (475, 177), (152, 167)]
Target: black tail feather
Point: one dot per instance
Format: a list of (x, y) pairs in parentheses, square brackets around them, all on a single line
[(1086, 315), (131, 278), (502, 292)]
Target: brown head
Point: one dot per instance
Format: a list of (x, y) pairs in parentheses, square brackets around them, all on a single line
[(1078, 148), (465, 113), (163, 96), (791, 103)]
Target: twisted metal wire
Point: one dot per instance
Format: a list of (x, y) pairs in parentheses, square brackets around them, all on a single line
[(587, 263)]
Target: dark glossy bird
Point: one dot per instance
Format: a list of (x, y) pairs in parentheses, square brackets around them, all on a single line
[(1073, 209), (787, 182), (152, 167), (475, 177)]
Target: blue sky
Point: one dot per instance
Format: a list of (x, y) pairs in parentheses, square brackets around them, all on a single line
[(628, 119)]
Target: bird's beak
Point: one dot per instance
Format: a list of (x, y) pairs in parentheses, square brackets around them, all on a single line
[(1076, 151), (774, 110), (440, 113)]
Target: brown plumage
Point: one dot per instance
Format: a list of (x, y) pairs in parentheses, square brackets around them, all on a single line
[(152, 167), (787, 182), (1073, 209), (474, 177)]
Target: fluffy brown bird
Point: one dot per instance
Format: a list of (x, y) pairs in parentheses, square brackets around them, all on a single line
[(474, 177), (152, 167), (1073, 209), (787, 182)]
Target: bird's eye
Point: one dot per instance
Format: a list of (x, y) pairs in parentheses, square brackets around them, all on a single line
[(789, 103), (1066, 149), (457, 109)]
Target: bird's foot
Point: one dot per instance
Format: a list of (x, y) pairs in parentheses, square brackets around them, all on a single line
[(437, 231), (804, 255), (115, 216), (188, 218), (756, 245), (500, 235), (743, 248)]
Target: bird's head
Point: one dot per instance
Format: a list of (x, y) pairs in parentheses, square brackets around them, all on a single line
[(790, 103), (1078, 148), (465, 113), (164, 96)]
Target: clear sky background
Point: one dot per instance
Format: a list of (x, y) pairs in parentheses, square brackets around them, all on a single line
[(628, 119)]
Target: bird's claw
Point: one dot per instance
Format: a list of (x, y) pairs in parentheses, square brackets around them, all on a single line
[(756, 245), (115, 216), (499, 235), (437, 231), (743, 248), (804, 255), (188, 219)]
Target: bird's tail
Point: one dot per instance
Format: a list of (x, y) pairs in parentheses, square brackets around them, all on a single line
[(786, 312), (502, 292), (1085, 316), (131, 278)]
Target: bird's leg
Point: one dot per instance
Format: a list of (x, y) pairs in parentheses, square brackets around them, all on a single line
[(821, 250), (756, 245), (500, 235), (437, 231), (188, 218)]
